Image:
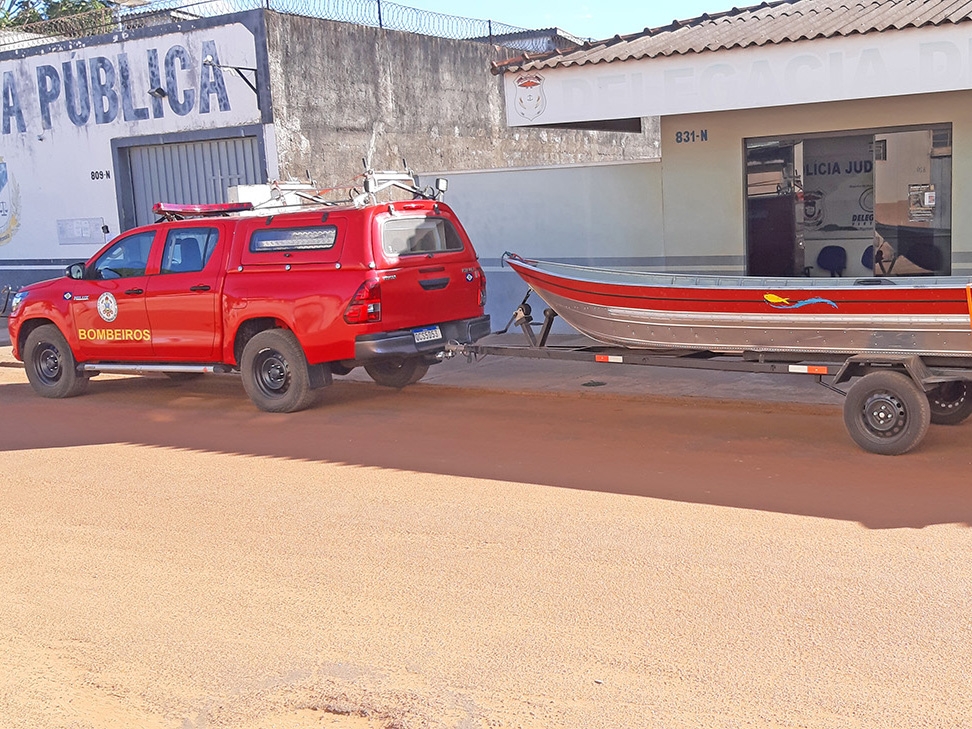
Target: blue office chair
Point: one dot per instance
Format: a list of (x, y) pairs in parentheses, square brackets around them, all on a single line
[(833, 259)]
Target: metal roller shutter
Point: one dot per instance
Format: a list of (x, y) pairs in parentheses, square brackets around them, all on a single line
[(194, 172)]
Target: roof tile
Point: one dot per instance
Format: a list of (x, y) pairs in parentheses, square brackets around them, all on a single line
[(772, 22)]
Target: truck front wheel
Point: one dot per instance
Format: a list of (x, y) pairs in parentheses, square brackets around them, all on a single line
[(397, 372), (51, 368), (275, 372)]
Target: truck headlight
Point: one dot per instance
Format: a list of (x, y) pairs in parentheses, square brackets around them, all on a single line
[(16, 301)]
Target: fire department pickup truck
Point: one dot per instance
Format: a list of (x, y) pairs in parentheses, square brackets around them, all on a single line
[(287, 298)]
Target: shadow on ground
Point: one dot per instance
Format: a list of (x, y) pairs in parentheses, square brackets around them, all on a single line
[(787, 458)]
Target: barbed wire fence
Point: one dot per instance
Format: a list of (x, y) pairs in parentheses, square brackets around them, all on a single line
[(375, 13)]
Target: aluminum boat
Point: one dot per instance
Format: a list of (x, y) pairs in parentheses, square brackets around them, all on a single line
[(929, 316)]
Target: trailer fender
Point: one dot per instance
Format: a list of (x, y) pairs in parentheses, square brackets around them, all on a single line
[(859, 365)]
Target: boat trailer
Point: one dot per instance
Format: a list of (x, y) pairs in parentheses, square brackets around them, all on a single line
[(891, 400)]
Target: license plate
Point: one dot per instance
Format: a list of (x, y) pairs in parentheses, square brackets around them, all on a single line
[(427, 334)]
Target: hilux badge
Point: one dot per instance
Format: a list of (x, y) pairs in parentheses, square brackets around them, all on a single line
[(107, 307)]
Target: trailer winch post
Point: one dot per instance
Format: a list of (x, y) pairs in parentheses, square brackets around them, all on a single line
[(548, 317), (522, 318)]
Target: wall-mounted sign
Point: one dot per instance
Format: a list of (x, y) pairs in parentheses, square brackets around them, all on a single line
[(921, 202), (838, 187), (9, 204), (872, 65), (166, 77)]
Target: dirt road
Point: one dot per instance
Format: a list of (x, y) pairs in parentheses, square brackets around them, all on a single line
[(445, 558)]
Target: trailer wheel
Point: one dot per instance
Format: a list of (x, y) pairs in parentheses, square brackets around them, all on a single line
[(275, 374), (397, 372), (51, 368), (886, 413), (951, 402)]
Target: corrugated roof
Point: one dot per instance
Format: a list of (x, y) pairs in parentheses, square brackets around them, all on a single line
[(780, 21)]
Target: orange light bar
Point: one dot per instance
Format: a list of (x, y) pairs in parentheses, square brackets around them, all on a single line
[(194, 211)]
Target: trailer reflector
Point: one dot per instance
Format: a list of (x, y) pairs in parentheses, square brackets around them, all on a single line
[(608, 358), (809, 369)]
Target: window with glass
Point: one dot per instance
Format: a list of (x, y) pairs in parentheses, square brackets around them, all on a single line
[(862, 204), (316, 238), (408, 236), (188, 250), (125, 259)]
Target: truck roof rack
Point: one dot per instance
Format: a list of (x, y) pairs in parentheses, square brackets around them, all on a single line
[(173, 211), (373, 183)]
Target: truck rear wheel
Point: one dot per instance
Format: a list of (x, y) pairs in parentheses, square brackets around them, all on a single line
[(275, 372), (886, 413), (51, 368), (397, 372), (951, 402)]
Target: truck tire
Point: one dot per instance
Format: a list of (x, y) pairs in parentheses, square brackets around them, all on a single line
[(886, 413), (275, 373), (951, 402), (397, 373), (51, 368)]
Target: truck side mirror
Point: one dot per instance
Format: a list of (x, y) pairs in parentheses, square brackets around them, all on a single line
[(441, 185), (75, 271)]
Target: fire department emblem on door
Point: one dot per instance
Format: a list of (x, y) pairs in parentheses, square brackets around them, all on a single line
[(107, 307)]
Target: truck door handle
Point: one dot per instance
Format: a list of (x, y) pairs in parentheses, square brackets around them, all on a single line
[(200, 287), (135, 292), (434, 284)]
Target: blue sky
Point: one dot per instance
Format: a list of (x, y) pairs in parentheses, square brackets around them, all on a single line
[(582, 18)]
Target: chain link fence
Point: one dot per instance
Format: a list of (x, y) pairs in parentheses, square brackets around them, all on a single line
[(375, 13)]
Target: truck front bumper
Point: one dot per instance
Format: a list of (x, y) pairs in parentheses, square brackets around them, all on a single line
[(402, 343)]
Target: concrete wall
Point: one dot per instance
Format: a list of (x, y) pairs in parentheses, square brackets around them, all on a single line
[(340, 90), (703, 181)]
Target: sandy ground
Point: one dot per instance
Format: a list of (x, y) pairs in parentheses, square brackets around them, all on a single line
[(440, 558)]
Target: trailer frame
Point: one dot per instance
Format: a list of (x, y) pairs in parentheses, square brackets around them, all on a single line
[(892, 399)]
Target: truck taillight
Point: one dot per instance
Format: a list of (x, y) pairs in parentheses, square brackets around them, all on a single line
[(482, 288), (365, 305)]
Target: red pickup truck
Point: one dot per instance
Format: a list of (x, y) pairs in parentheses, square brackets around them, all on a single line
[(287, 299)]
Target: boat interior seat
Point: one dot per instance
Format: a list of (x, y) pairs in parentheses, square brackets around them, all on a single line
[(832, 258)]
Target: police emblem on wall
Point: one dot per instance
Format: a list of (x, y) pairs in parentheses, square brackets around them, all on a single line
[(530, 101), (9, 204), (107, 307)]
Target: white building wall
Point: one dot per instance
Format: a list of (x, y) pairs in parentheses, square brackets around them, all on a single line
[(602, 215), (703, 178), (61, 109)]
